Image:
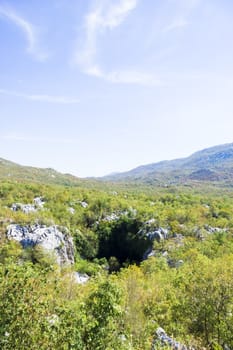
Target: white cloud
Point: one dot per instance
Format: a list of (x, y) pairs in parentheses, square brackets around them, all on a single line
[(107, 16), (29, 30), (125, 77), (176, 24), (113, 15), (42, 98)]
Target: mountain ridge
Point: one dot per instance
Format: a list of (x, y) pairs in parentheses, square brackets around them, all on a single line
[(213, 165), (209, 164)]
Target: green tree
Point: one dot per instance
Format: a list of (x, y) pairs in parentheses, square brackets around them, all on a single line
[(103, 314)]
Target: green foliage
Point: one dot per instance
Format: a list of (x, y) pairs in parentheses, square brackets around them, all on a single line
[(42, 307), (207, 299), (11, 250), (87, 244), (103, 312), (32, 316)]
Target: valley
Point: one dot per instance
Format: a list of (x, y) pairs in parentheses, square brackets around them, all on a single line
[(99, 264)]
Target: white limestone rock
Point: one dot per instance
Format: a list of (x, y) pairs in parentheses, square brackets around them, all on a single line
[(83, 204), (111, 217), (71, 210), (25, 208), (81, 278), (38, 201), (162, 340), (29, 208), (49, 238)]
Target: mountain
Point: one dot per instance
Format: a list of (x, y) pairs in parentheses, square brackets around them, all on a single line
[(13, 171), (214, 164)]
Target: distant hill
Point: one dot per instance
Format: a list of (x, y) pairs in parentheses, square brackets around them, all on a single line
[(214, 164), (16, 172)]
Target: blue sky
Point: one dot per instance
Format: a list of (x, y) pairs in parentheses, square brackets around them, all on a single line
[(91, 87)]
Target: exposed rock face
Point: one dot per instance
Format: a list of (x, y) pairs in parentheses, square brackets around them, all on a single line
[(50, 238)]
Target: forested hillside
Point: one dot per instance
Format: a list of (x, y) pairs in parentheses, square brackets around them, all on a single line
[(155, 258)]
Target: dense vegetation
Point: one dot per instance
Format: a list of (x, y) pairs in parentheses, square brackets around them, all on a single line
[(186, 287)]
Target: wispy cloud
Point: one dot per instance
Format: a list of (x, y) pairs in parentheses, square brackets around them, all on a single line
[(183, 10), (42, 98), (126, 77), (112, 15), (29, 30), (97, 21), (107, 16), (176, 24)]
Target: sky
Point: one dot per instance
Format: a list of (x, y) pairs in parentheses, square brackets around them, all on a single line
[(91, 87)]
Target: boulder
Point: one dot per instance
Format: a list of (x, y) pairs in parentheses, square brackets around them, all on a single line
[(81, 278), (83, 204), (71, 210), (159, 234), (39, 202), (50, 238)]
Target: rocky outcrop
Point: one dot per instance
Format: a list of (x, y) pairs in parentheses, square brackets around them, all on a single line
[(211, 229), (25, 208), (51, 238), (159, 234), (162, 340), (29, 208), (203, 232), (111, 217), (150, 230)]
